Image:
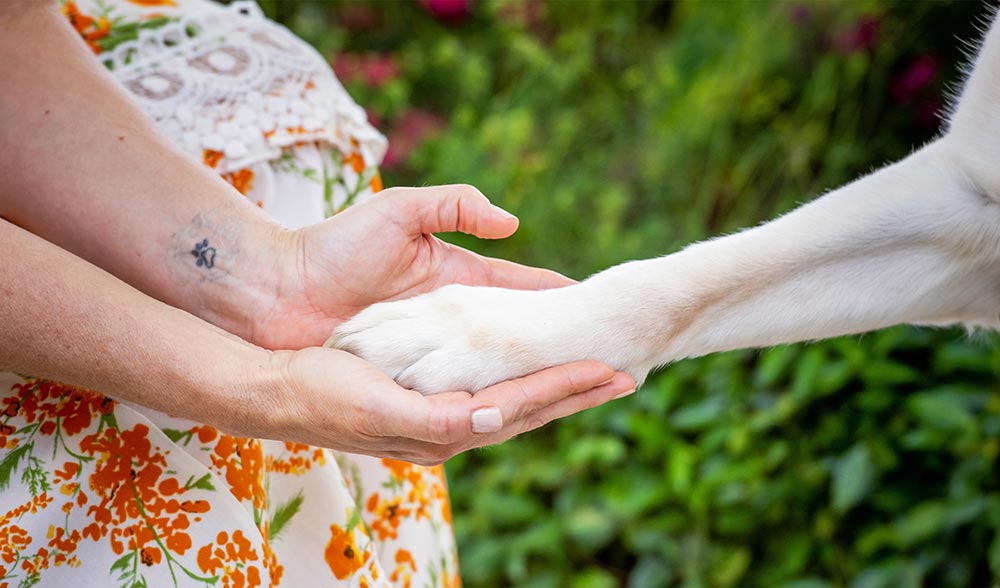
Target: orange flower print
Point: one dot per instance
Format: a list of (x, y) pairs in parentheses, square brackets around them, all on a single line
[(376, 183), (297, 462), (240, 460), (211, 158), (274, 568), (355, 161), (402, 574), (92, 30), (242, 180), (342, 553), (389, 514), (154, 2), (228, 557)]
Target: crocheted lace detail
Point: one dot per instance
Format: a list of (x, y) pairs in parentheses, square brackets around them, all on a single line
[(233, 88)]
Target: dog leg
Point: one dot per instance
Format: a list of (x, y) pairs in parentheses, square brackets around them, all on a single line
[(912, 243)]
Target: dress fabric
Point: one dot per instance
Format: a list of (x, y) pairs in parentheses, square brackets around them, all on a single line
[(98, 492)]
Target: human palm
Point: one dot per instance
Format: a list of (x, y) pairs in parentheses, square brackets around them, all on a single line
[(385, 250)]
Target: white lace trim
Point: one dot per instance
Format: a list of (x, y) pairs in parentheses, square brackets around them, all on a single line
[(228, 80)]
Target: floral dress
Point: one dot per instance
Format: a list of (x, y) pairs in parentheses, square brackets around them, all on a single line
[(98, 492)]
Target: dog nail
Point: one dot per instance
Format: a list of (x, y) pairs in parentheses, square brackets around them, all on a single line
[(487, 420), (624, 394)]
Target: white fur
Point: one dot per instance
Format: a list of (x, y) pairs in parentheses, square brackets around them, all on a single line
[(915, 242)]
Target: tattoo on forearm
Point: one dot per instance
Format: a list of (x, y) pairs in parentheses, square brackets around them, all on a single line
[(211, 240), (204, 254)]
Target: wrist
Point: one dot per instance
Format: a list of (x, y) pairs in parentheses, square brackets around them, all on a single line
[(252, 274), (250, 398)]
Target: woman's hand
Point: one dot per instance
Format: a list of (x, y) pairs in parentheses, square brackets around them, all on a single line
[(331, 398), (385, 250), (79, 325), (107, 204)]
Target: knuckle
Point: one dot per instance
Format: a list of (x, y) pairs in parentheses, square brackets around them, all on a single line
[(535, 422), (526, 404), (441, 428), (567, 376), (467, 188), (394, 193), (432, 457), (468, 191), (369, 418), (438, 459)]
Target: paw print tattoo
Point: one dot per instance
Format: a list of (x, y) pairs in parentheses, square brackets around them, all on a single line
[(204, 254)]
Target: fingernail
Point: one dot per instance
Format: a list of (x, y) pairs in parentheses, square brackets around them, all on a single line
[(487, 420), (504, 213), (608, 381), (624, 394)]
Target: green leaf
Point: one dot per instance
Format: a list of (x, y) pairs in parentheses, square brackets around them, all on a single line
[(283, 514), (590, 526), (699, 415), (204, 482), (809, 582), (600, 451), (680, 463), (730, 568), (354, 520), (994, 555), (175, 435), (510, 509), (890, 373), (123, 562), (922, 522), (773, 365), (853, 476), (650, 571), (941, 410), (9, 464), (595, 578)]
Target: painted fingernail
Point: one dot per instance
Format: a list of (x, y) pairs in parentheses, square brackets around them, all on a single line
[(624, 394), (487, 420)]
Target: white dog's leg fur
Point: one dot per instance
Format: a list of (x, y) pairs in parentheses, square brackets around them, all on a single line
[(915, 242)]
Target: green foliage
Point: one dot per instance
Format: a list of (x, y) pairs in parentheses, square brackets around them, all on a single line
[(620, 130)]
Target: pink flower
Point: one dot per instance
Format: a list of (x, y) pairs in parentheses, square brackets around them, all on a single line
[(800, 14), (374, 119), (408, 132), (375, 69), (449, 11), (861, 37), (528, 14), (380, 69), (358, 17), (346, 66), (917, 75)]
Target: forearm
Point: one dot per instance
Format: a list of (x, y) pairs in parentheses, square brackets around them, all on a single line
[(105, 185), (911, 243), (64, 319)]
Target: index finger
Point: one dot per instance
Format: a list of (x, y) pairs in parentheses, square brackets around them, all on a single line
[(519, 398), (507, 274), (457, 417)]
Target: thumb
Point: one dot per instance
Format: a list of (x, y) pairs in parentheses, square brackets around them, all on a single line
[(459, 207)]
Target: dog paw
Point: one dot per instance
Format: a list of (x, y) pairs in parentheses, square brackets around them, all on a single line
[(456, 338)]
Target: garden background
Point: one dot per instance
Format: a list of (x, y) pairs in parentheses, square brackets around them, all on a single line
[(620, 130)]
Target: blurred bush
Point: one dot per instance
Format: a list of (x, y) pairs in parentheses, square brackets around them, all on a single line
[(620, 130)]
